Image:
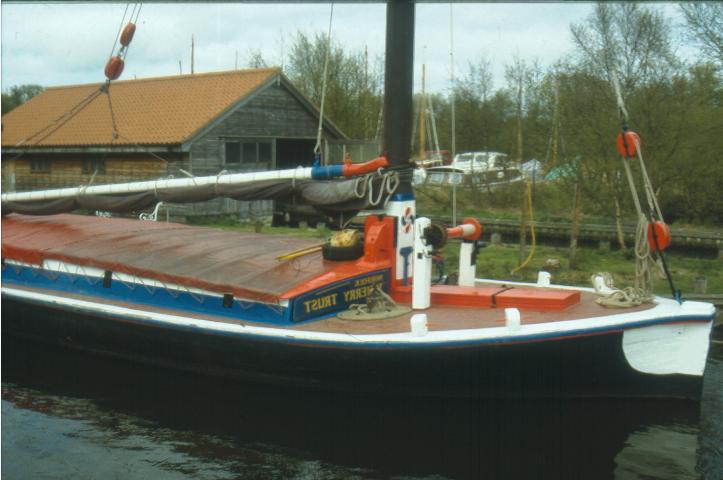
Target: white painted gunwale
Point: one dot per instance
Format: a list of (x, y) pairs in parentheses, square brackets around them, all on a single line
[(665, 310)]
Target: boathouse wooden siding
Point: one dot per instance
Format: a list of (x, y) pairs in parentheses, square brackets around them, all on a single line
[(71, 170), (273, 113)]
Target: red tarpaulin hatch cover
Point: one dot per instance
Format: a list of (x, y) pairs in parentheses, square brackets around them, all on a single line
[(243, 264)]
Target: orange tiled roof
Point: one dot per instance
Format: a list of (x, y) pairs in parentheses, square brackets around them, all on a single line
[(152, 111)]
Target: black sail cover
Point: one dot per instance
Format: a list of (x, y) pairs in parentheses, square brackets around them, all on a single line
[(327, 196)]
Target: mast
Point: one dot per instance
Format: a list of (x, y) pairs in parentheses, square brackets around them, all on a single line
[(422, 121), (398, 78), (451, 97), (192, 53)]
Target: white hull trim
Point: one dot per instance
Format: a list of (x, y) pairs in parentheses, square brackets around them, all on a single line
[(668, 311), (668, 349)]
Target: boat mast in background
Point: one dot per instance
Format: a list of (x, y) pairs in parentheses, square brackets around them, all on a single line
[(454, 121)]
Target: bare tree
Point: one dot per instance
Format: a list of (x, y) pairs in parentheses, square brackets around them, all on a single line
[(477, 83), (626, 38), (256, 59), (705, 27)]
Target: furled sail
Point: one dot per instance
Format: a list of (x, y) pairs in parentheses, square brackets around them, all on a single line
[(362, 186)]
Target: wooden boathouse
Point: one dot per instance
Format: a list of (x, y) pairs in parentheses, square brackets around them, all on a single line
[(199, 124)]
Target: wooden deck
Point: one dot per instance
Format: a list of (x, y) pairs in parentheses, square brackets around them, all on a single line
[(456, 318)]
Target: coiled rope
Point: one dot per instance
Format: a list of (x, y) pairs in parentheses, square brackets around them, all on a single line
[(364, 187), (388, 183), (615, 297)]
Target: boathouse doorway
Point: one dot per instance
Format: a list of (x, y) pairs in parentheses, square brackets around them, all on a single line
[(292, 153)]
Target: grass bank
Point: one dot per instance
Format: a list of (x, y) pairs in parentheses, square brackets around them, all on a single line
[(498, 261)]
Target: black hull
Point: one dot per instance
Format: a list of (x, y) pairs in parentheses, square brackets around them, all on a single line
[(591, 366)]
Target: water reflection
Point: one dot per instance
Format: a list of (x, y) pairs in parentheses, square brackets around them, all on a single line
[(66, 414)]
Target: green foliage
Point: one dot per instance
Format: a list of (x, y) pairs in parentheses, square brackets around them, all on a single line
[(568, 113), (17, 95), (497, 262), (353, 90)]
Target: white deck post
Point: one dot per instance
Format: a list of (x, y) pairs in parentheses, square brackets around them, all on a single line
[(404, 208), (422, 280), (467, 265)]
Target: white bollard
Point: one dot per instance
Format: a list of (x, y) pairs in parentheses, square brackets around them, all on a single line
[(418, 324), (543, 279), (600, 287), (512, 319)]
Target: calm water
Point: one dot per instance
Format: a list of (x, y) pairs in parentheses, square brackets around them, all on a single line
[(67, 415)]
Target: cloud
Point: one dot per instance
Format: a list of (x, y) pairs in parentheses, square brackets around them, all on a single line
[(58, 44)]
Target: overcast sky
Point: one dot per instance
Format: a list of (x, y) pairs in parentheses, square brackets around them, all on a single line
[(62, 44)]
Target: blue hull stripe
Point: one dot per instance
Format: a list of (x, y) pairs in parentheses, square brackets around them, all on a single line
[(177, 300)]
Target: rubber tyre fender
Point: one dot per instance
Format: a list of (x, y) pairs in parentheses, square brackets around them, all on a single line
[(338, 254)]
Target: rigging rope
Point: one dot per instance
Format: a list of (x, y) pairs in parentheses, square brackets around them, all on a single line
[(645, 263), (317, 147), (112, 116), (120, 28), (532, 232), (69, 114), (434, 125)]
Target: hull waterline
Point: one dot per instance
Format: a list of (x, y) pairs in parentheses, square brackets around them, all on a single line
[(579, 366)]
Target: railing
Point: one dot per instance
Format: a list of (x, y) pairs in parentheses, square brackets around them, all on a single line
[(684, 237)]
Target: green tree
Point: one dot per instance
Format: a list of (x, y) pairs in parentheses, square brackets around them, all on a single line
[(629, 39), (354, 84), (17, 95), (693, 193), (633, 43)]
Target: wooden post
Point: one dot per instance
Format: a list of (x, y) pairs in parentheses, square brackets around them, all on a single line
[(575, 227), (8, 175), (555, 121), (700, 285), (523, 216), (619, 222)]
